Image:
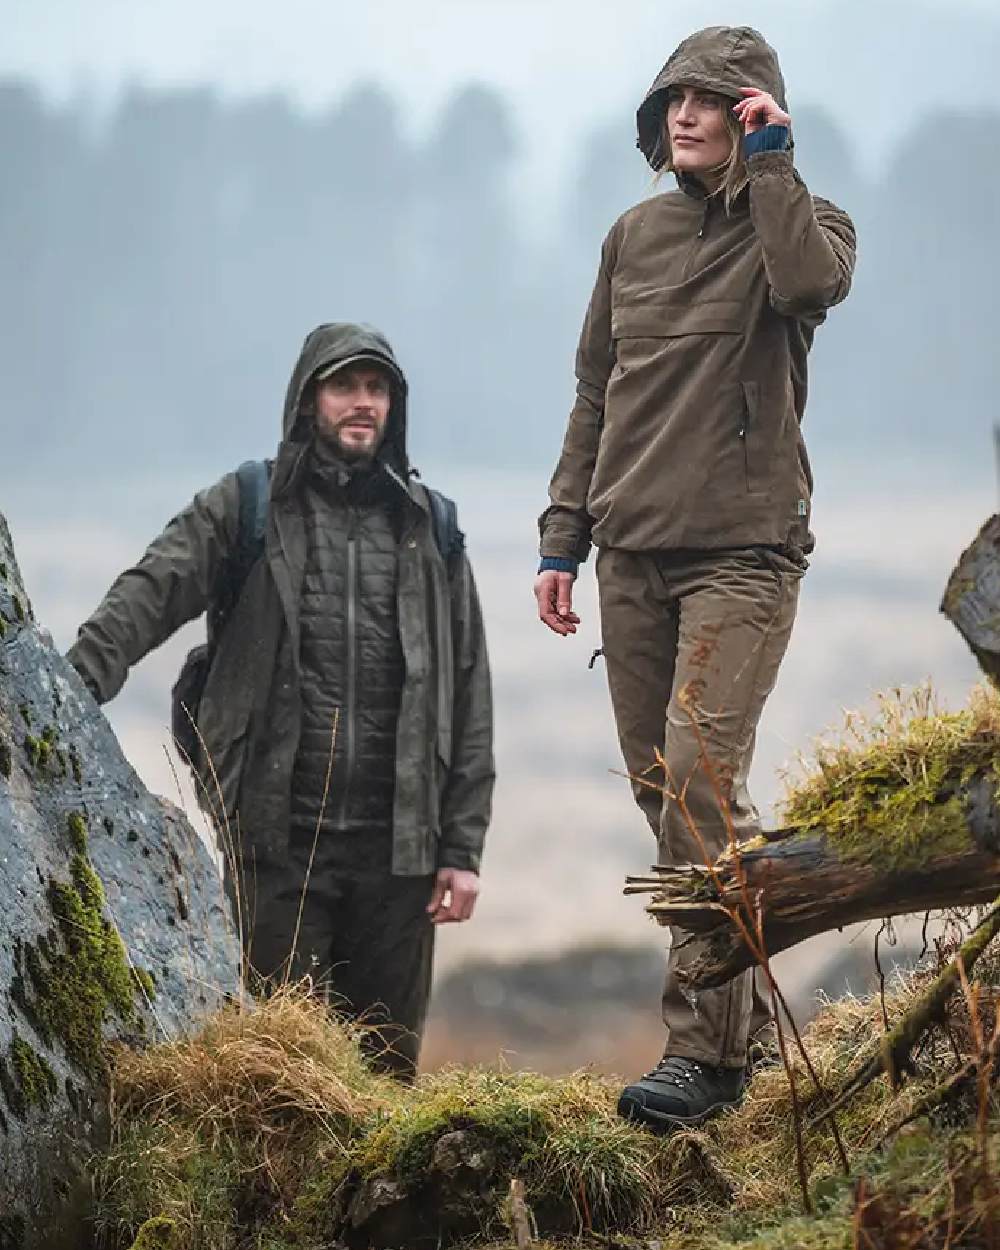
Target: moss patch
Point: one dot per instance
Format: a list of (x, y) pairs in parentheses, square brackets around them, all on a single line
[(43, 753), (891, 789), (144, 980), (34, 1073), (159, 1233), (6, 758), (72, 977), (77, 828), (26, 1078)]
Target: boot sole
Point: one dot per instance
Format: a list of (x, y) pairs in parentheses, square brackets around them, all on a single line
[(663, 1121)]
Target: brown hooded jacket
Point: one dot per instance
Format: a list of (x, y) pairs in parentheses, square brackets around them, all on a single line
[(691, 368)]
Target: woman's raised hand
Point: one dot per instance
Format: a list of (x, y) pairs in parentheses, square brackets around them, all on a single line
[(758, 110)]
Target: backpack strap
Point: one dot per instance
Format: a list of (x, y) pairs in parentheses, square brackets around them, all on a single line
[(253, 478), (444, 521)]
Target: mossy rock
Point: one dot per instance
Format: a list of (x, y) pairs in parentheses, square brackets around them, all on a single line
[(94, 948)]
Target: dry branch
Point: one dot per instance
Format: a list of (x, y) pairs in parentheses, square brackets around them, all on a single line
[(895, 1048)]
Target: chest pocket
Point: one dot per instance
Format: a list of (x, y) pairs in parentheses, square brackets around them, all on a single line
[(663, 319)]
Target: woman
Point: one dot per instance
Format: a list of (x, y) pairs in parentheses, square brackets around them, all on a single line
[(684, 465)]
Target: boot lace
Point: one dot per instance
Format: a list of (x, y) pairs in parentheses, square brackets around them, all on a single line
[(673, 1070)]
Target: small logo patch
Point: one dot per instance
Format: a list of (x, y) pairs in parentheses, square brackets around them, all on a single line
[(803, 508)]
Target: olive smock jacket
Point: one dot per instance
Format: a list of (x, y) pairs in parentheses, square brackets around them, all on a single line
[(691, 368)]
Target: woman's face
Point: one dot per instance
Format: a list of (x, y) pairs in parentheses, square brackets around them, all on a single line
[(700, 140)]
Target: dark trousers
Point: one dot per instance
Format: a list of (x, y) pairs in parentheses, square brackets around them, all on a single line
[(364, 938)]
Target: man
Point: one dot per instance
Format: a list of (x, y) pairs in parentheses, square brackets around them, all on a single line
[(345, 721)]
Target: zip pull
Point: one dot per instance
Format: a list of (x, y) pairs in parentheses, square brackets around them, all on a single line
[(594, 658), (704, 221)]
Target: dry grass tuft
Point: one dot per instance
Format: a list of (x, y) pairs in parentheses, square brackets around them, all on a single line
[(282, 1064)]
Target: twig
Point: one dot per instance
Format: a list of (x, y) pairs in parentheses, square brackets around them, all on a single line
[(315, 841), (520, 1216), (800, 1154), (893, 1055)]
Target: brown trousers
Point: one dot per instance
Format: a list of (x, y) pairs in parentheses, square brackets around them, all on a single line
[(693, 641)]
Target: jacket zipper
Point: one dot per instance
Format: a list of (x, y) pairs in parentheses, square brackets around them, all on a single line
[(350, 688), (695, 247)]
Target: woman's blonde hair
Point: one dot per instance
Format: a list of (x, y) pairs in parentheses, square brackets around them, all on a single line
[(733, 169)]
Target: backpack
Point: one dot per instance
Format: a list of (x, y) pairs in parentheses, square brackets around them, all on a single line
[(253, 479)]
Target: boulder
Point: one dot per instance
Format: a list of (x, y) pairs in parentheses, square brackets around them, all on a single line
[(113, 925)]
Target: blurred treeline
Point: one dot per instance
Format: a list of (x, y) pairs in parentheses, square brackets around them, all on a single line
[(159, 266)]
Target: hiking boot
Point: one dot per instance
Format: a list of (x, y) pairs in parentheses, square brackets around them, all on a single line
[(762, 1053), (679, 1093)]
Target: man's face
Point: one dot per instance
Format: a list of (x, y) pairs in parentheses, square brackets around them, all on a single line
[(352, 407)]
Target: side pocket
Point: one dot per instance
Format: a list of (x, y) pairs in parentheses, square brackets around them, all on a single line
[(753, 438)]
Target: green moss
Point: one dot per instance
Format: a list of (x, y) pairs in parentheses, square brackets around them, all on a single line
[(26, 1078), (34, 1074), (3, 571), (74, 763), (18, 609), (894, 791), (74, 977), (25, 711), (144, 980), (159, 1233), (77, 828), (39, 751), (3, 627), (43, 754), (6, 758)]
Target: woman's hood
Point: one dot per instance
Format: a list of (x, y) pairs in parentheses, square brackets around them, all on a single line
[(718, 58)]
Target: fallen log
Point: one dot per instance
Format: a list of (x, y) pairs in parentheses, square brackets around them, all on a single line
[(807, 884), (900, 817)]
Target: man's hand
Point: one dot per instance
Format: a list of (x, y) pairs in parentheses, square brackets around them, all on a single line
[(554, 593), (454, 896), (758, 110)]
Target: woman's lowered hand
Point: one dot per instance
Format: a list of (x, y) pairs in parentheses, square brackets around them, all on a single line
[(554, 596)]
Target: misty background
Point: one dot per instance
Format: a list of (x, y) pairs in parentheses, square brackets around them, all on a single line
[(188, 189)]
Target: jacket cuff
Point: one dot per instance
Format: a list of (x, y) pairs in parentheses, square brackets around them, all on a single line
[(779, 164), (560, 545), (458, 857), (558, 564), (772, 138)]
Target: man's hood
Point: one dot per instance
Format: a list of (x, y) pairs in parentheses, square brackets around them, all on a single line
[(718, 58), (338, 343)]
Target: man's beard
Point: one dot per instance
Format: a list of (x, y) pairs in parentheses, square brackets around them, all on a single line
[(352, 452)]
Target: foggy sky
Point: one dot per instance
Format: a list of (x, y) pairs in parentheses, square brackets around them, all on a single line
[(564, 65)]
